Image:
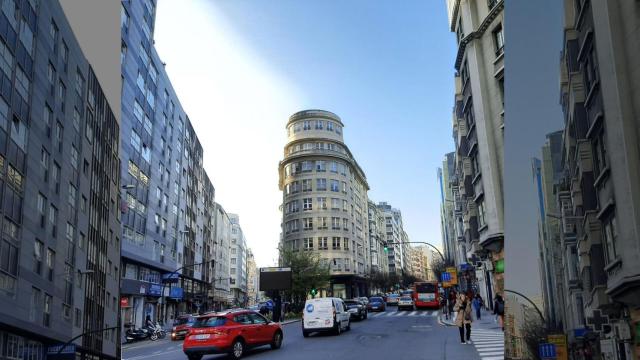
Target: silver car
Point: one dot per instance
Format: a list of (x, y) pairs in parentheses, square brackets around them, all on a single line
[(405, 302)]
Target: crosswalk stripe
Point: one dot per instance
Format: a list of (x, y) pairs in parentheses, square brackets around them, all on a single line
[(491, 353), (413, 313), (493, 358)]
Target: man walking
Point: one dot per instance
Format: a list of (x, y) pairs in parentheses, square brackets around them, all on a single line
[(477, 305), (498, 310)]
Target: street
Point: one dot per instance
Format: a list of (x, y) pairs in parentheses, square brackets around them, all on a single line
[(397, 335)]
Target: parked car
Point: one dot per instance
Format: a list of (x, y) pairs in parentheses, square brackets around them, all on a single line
[(357, 309), (231, 332), (181, 326), (392, 299), (364, 299), (376, 303), (325, 314), (405, 302)]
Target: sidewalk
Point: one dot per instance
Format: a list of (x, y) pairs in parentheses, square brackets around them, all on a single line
[(487, 321)]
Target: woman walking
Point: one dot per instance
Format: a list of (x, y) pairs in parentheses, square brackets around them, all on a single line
[(463, 318), (498, 310)]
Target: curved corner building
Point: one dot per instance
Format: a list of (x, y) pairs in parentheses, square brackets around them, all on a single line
[(324, 200)]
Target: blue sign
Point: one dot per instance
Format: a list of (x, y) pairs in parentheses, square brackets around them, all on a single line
[(155, 290), (580, 332), (171, 277), (465, 266), (547, 351), (176, 293), (69, 349), (309, 308), (446, 276)]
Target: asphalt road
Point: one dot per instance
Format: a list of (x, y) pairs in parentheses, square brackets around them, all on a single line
[(392, 335)]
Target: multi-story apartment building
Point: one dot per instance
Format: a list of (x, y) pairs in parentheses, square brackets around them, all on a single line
[(393, 237), (325, 199), (252, 280), (546, 174), (238, 262), (59, 252), (447, 217), (478, 131), (419, 264), (222, 289), (167, 227), (599, 196), (377, 239)]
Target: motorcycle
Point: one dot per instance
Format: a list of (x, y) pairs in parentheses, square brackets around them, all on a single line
[(159, 332), (134, 334)]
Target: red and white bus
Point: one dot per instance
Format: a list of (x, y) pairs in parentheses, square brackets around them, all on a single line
[(426, 294)]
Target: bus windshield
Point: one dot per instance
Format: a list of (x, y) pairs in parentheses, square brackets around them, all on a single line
[(425, 288)]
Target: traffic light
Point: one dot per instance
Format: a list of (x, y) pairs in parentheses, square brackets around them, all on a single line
[(313, 292), (386, 249)]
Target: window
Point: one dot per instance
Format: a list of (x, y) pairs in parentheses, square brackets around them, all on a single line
[(140, 82), (346, 243), (22, 83), (6, 59), (308, 244), (335, 223), (135, 140), (307, 223), (599, 152), (498, 39), (123, 52), (65, 55), (321, 165), (323, 243), (590, 69), (38, 249), (322, 203), (345, 224), (51, 256), (306, 185), (335, 186), (321, 184), (335, 204), (481, 214), (319, 124), (306, 125), (611, 236), (322, 223), (46, 311), (307, 204), (329, 126), (34, 304), (334, 167), (335, 244), (344, 205), (344, 187), (124, 18), (307, 166)]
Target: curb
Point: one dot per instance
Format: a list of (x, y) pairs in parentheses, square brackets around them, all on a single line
[(290, 321)]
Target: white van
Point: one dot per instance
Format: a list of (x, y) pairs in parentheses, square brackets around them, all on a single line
[(325, 314)]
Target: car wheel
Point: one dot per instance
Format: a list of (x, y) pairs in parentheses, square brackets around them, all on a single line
[(237, 349), (276, 343), (349, 326), (338, 329), (194, 357)]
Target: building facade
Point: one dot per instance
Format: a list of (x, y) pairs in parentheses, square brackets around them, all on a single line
[(394, 233), (478, 135), (447, 207), (222, 288), (377, 239), (599, 195), (59, 251), (325, 200), (168, 220), (252, 280), (238, 262)]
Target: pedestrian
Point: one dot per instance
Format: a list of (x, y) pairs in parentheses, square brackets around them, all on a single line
[(463, 318), (477, 305), (277, 309), (498, 310), (444, 307)]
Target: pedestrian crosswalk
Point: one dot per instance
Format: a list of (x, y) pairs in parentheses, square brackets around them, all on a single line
[(488, 343), (391, 313)]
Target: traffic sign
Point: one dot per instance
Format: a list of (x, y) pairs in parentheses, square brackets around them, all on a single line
[(547, 351), (560, 341)]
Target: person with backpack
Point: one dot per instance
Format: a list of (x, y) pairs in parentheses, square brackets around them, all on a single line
[(463, 318), (498, 310)]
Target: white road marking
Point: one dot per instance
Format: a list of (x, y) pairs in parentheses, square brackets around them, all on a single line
[(413, 313)]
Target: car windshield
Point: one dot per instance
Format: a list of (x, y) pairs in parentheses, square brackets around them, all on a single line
[(183, 320), (212, 321), (375, 299), (426, 288), (394, 295), (405, 298)]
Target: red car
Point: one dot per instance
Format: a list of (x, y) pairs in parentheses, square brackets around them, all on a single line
[(230, 332), (181, 326)]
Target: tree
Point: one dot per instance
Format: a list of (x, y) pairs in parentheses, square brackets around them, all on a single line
[(307, 271), (439, 266), (407, 279)]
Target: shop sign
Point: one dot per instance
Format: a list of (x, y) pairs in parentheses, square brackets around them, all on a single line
[(176, 293), (155, 290), (560, 341), (606, 348), (124, 302), (499, 267)]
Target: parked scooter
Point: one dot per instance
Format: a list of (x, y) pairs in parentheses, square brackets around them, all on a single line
[(134, 334), (159, 332)]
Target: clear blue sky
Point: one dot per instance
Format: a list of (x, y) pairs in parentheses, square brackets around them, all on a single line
[(241, 67)]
